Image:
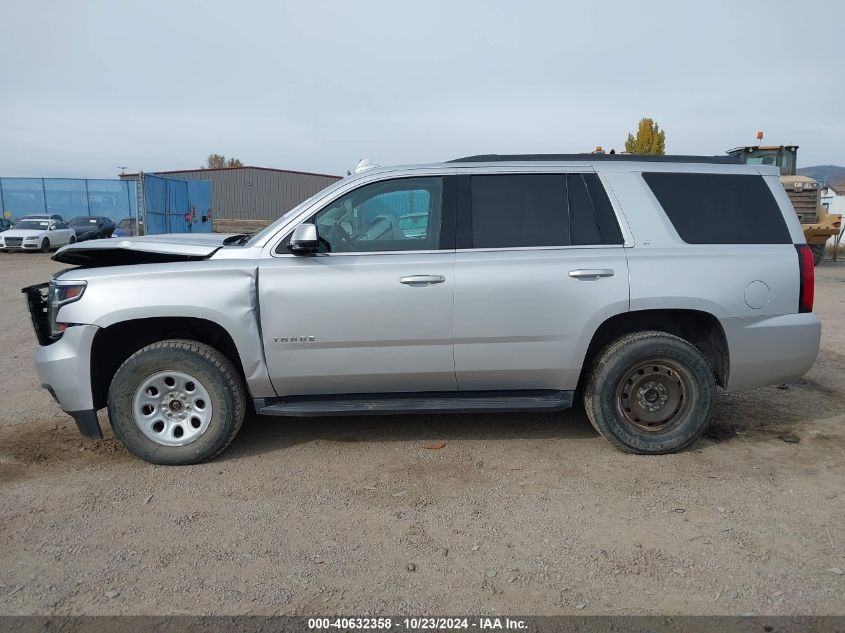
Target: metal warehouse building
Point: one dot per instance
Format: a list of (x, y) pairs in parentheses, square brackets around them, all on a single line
[(253, 193)]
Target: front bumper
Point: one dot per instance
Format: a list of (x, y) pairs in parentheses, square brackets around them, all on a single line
[(23, 246), (64, 369)]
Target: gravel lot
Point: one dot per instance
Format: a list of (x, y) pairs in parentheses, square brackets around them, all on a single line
[(516, 514)]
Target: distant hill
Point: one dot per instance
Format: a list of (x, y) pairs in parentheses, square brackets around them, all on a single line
[(829, 174)]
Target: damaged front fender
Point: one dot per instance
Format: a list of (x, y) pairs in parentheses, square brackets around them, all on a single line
[(223, 292)]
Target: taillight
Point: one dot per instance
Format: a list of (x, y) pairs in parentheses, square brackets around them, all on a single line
[(807, 275)]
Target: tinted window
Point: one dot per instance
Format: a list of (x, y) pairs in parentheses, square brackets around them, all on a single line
[(394, 215), (81, 221), (720, 208), (519, 210), (605, 217), (540, 210)]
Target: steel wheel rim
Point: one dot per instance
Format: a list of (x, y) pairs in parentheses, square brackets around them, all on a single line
[(171, 408), (653, 396)]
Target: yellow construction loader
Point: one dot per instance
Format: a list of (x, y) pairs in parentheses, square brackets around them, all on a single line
[(804, 192)]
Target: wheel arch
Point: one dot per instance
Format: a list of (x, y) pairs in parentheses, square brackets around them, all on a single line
[(701, 329), (112, 345)]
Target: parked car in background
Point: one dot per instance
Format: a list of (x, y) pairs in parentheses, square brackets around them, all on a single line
[(37, 234), (126, 228), (43, 216), (91, 227), (414, 225), (5, 224)]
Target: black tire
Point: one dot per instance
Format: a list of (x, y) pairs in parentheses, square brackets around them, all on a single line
[(222, 382), (818, 253), (658, 376), (72, 239), (45, 245)]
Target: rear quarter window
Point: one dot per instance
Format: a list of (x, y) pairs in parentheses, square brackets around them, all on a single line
[(719, 208)]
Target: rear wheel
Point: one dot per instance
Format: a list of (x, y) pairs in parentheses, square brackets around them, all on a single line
[(176, 402), (818, 253), (72, 239), (650, 393), (45, 245)]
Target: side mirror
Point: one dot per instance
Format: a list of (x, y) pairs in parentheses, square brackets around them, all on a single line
[(305, 240)]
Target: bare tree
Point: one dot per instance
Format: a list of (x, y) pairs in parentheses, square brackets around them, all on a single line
[(217, 161)]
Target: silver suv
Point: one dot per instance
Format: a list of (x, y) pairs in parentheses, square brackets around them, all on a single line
[(489, 283)]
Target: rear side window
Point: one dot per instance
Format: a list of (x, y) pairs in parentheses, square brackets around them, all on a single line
[(525, 210), (592, 217), (519, 210), (719, 208)]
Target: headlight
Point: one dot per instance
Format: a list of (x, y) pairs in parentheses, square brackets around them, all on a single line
[(31, 237), (62, 293)]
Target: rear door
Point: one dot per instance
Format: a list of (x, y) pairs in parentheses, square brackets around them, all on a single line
[(540, 264)]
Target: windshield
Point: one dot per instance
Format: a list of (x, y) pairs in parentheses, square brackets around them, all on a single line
[(125, 224), (36, 225), (302, 205), (784, 159), (81, 221)]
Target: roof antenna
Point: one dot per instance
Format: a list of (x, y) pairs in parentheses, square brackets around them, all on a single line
[(364, 164)]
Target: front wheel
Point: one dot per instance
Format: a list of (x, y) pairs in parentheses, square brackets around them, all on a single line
[(650, 393), (45, 245), (176, 402), (72, 239), (818, 253)]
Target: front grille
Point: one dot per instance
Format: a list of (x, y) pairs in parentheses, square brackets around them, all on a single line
[(13, 241), (36, 301)]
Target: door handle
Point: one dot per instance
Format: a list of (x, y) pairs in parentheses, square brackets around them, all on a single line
[(591, 273), (422, 279)]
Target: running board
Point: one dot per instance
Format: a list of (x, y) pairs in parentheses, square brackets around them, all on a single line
[(391, 404)]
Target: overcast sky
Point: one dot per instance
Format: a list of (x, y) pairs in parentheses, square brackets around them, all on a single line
[(86, 86)]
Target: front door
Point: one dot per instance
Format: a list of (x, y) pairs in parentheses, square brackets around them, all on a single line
[(372, 311), (540, 264)]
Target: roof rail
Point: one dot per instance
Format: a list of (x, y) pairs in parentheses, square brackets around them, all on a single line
[(645, 158)]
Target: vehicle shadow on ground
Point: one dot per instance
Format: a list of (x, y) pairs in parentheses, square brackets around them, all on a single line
[(761, 414), (765, 414), (262, 434)]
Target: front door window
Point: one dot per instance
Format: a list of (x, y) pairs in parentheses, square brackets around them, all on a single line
[(394, 215)]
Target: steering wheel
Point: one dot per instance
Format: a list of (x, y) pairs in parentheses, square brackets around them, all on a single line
[(340, 238)]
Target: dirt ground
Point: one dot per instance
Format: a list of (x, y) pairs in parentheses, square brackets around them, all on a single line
[(529, 514)]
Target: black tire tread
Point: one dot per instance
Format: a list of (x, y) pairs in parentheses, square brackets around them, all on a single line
[(227, 370), (592, 389), (818, 253)]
